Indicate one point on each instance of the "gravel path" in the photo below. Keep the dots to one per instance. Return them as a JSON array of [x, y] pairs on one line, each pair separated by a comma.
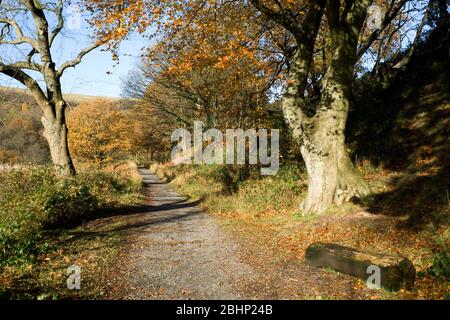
[[179, 251], [174, 250]]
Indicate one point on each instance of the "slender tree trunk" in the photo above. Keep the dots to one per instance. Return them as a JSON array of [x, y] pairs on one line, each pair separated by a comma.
[[55, 131]]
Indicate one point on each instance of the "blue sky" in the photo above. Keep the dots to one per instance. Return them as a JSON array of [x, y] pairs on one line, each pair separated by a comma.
[[90, 76], [97, 74]]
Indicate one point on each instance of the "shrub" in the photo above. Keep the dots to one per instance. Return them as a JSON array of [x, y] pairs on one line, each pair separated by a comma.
[[440, 260], [35, 200], [440, 267]]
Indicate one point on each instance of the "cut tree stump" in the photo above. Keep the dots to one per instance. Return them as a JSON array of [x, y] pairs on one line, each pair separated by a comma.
[[395, 272]]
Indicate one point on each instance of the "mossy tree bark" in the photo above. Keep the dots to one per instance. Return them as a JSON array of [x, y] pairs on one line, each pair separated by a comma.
[[320, 129]]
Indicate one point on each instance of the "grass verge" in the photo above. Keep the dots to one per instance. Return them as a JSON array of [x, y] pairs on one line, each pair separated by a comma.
[[44, 229]]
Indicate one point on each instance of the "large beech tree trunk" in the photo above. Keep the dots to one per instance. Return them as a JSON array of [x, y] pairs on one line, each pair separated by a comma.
[[319, 129], [332, 177]]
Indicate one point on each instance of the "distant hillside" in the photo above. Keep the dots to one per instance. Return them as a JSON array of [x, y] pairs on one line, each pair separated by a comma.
[[9, 92]]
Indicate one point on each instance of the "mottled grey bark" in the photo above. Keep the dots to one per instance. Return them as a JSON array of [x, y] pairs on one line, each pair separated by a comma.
[[332, 177], [320, 132]]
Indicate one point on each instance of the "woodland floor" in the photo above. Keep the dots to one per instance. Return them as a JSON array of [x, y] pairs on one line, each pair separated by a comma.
[[172, 249]]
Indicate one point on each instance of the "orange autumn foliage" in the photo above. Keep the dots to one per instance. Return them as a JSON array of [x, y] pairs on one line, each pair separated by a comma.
[[100, 132]]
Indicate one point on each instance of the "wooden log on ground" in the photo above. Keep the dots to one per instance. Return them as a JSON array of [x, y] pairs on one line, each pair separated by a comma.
[[395, 272]]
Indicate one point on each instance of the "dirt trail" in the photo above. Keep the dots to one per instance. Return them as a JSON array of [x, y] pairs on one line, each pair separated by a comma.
[[179, 252], [175, 250]]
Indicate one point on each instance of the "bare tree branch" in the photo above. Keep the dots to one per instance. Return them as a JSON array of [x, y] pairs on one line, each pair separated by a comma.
[[28, 65], [20, 38], [29, 82], [404, 61], [77, 60], [390, 15], [60, 17], [283, 17]]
